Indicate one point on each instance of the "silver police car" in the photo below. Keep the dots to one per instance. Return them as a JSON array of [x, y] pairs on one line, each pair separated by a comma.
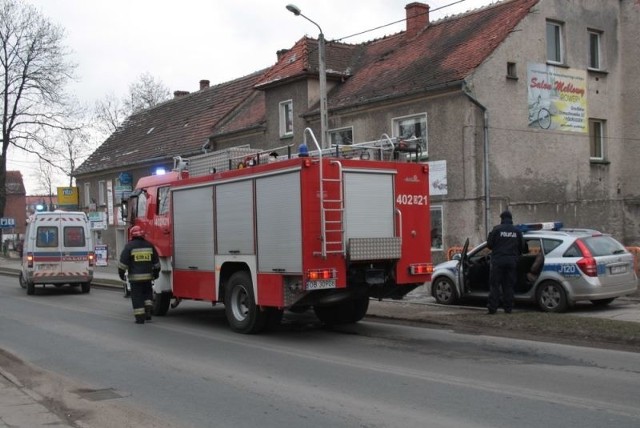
[[563, 266]]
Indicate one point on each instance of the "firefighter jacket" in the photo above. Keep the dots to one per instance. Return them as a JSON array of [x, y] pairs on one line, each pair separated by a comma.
[[140, 259]]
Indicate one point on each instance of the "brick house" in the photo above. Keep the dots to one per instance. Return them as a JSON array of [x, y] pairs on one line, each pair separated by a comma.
[[15, 205], [529, 105]]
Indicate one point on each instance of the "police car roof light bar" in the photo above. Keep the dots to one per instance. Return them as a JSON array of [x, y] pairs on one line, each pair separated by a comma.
[[549, 225]]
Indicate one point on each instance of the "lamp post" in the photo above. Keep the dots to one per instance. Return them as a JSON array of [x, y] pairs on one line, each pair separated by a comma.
[[323, 77]]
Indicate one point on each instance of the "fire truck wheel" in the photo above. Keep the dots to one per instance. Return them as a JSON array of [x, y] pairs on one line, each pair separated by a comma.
[[161, 303], [348, 312], [243, 314]]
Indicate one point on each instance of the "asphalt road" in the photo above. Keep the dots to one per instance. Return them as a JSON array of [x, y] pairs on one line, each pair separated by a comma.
[[189, 370]]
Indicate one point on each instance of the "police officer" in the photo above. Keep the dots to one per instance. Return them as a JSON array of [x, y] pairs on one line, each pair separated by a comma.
[[141, 260], [506, 244]]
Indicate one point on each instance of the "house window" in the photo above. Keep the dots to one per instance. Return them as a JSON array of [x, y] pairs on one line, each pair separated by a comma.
[[555, 48], [87, 194], [594, 50], [342, 136], [413, 129], [511, 70], [286, 118], [436, 228], [596, 139], [101, 193]]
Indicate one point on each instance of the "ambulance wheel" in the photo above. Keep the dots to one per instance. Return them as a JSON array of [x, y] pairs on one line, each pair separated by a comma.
[[161, 302], [31, 288], [241, 310], [21, 280], [85, 287]]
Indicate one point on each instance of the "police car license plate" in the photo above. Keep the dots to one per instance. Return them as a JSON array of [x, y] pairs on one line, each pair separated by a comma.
[[615, 270], [321, 284]]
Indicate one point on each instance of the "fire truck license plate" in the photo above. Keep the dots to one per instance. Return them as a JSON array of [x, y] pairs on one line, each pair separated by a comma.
[[321, 284]]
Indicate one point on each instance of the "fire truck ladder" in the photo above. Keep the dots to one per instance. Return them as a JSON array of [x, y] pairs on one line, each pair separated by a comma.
[[331, 210]]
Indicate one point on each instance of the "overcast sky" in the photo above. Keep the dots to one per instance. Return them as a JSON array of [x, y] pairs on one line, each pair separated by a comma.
[[180, 42]]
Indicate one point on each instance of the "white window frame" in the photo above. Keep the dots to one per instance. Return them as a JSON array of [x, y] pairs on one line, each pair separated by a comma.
[[597, 135], [286, 118], [594, 58], [102, 199], [87, 194], [439, 244], [556, 43], [334, 132], [396, 126]]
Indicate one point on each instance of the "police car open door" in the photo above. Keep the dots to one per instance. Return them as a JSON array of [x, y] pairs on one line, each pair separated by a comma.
[[462, 270]]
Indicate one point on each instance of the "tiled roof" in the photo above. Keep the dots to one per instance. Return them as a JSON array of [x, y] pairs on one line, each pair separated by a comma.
[[180, 126], [447, 51], [14, 183]]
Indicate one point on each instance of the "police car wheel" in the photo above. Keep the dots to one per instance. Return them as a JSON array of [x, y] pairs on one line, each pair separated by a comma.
[[444, 291], [551, 297]]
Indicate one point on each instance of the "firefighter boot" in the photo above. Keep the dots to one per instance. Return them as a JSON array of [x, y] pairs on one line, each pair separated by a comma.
[[147, 313], [140, 319]]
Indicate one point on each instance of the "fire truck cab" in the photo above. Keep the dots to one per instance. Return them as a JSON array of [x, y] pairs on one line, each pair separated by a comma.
[[323, 231]]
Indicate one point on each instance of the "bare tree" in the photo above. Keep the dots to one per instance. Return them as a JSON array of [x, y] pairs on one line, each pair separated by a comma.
[[145, 93], [111, 112], [33, 72]]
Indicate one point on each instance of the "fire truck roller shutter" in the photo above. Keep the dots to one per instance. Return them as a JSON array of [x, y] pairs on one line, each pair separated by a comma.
[[234, 211], [370, 196], [193, 228], [279, 222]]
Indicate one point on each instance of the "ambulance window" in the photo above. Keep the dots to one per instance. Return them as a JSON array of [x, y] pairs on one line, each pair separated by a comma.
[[74, 236], [163, 200], [47, 237]]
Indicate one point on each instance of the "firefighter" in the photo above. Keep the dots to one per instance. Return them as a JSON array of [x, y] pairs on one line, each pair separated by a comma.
[[141, 260]]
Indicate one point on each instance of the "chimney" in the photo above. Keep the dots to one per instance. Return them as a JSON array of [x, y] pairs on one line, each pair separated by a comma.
[[204, 84], [417, 17], [281, 53], [178, 94]]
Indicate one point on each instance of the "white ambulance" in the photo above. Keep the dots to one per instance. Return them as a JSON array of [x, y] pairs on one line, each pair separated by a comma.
[[58, 250]]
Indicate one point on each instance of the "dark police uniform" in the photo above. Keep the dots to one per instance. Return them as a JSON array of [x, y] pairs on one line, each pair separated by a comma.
[[507, 244], [141, 260]]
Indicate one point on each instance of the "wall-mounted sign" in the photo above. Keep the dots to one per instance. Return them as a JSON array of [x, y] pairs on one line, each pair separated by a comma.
[[557, 98]]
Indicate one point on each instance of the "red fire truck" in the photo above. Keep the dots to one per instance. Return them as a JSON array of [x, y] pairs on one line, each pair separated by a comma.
[[326, 231]]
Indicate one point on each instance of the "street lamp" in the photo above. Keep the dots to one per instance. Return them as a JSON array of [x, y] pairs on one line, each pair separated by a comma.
[[323, 76]]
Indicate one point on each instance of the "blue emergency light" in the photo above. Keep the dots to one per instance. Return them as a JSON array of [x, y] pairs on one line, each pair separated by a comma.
[[549, 225]]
